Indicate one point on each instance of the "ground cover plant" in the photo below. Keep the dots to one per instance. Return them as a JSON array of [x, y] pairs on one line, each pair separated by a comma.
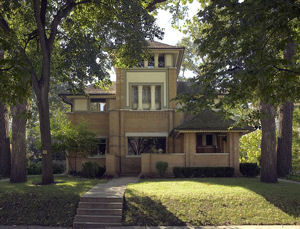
[[211, 201], [294, 177], [31, 204]]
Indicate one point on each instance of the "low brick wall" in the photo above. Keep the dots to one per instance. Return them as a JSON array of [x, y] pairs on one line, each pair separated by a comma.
[[148, 162], [70, 162]]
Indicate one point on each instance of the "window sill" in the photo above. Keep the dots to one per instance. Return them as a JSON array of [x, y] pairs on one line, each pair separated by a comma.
[[133, 156], [211, 154], [95, 157]]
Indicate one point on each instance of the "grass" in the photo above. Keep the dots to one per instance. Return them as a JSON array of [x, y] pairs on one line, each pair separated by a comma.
[[53, 205], [294, 177], [211, 201]]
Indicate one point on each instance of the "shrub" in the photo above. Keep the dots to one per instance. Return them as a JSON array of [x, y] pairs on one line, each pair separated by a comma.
[[90, 169], [203, 172], [34, 168], [249, 169], [161, 167], [58, 168], [177, 171], [101, 171]]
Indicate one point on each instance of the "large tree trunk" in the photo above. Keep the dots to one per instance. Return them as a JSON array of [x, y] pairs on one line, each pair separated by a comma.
[[268, 144], [18, 156], [284, 147], [43, 106], [4, 141]]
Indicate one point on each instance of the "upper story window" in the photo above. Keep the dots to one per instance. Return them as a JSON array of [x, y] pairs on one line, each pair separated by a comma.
[[151, 62], [145, 97], [161, 61], [97, 105]]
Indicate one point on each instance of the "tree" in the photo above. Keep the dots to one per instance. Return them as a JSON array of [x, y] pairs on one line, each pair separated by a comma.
[[18, 156], [284, 142], [250, 151], [242, 44], [51, 42], [4, 141]]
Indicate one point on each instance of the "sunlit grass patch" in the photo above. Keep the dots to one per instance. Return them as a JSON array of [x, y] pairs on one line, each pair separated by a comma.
[[31, 204], [211, 201]]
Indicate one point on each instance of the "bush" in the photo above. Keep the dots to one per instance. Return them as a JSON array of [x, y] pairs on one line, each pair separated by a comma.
[[101, 171], [58, 168], [90, 169], [161, 167], [249, 169], [203, 172], [34, 168]]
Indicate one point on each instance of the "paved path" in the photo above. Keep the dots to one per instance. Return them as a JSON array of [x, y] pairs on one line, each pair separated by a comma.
[[113, 188], [289, 181]]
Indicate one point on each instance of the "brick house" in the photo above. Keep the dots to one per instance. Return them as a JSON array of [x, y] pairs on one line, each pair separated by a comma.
[[137, 123]]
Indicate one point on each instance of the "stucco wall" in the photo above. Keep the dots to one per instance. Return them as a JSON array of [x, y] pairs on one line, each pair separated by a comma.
[[98, 122], [148, 162], [79, 161]]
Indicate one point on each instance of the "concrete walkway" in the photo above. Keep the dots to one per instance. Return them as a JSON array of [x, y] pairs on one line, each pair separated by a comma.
[[113, 188]]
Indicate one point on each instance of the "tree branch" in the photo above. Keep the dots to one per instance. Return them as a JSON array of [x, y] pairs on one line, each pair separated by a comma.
[[63, 12], [152, 4], [285, 70]]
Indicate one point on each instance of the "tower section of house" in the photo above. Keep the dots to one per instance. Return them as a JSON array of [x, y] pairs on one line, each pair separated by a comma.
[[137, 123]]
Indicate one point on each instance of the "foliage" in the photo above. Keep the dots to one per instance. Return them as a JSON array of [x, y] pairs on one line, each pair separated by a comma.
[[52, 205], [90, 169], [296, 140], [294, 178], [188, 172], [34, 168], [249, 169], [161, 167], [211, 201], [250, 150]]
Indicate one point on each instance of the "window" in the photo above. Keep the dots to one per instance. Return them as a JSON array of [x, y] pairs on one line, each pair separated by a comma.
[[209, 140], [134, 98], [97, 105], [161, 60], [158, 97], [101, 147], [139, 145], [151, 62], [199, 139], [146, 97]]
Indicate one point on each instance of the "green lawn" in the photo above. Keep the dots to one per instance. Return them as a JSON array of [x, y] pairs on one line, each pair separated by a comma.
[[294, 177], [211, 201], [30, 204]]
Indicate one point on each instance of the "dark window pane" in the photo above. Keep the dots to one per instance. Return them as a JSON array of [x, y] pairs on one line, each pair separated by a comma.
[[199, 139], [209, 140], [139, 145], [161, 60]]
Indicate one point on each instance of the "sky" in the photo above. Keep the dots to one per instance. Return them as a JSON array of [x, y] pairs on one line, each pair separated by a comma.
[[172, 36]]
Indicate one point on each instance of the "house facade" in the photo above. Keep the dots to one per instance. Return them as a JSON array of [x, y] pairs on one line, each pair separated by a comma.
[[137, 123]]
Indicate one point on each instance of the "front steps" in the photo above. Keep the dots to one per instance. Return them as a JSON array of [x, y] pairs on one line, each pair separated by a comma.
[[98, 212]]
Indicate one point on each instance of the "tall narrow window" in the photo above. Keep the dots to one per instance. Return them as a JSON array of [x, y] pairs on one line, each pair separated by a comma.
[[161, 60], [134, 98], [151, 62], [100, 150], [158, 97], [146, 97]]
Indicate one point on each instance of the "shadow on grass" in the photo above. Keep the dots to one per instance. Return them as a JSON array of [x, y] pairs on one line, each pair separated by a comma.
[[285, 196], [142, 210]]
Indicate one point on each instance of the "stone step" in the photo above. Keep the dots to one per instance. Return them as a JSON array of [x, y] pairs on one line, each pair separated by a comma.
[[81, 225], [101, 199], [100, 205], [87, 211], [98, 219]]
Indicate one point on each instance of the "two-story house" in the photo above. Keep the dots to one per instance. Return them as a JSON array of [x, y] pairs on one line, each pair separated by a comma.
[[137, 123]]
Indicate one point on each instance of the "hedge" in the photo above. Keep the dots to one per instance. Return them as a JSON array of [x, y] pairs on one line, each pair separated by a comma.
[[249, 169], [187, 172]]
